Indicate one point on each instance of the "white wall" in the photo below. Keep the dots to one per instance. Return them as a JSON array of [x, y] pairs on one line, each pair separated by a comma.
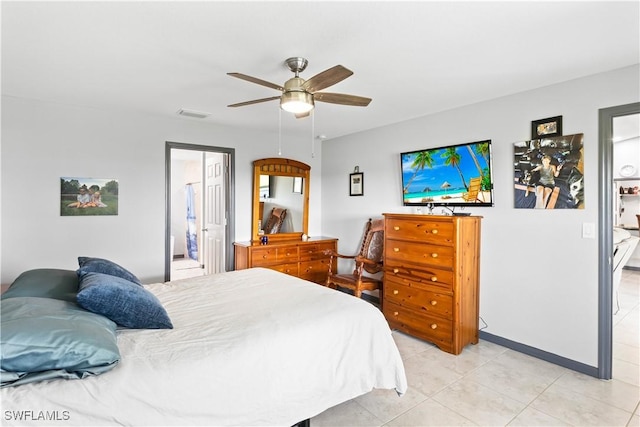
[[42, 142], [539, 278]]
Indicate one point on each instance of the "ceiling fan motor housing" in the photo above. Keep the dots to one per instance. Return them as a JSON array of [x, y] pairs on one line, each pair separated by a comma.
[[296, 64]]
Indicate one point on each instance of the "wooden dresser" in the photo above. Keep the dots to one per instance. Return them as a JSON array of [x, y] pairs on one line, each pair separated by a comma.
[[295, 257], [431, 278]]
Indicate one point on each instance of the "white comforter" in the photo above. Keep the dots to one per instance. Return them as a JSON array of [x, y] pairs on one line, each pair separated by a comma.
[[250, 347]]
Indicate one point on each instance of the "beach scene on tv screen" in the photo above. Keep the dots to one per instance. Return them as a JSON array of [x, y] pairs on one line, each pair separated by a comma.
[[454, 175]]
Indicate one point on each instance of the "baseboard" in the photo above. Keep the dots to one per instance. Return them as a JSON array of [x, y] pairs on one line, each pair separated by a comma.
[[541, 354]]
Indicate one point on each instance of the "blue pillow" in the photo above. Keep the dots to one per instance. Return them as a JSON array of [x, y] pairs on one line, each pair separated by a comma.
[[45, 283], [125, 303], [44, 338], [104, 266]]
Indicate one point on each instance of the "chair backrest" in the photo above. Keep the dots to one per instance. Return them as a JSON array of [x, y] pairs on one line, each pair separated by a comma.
[[373, 244], [274, 223], [474, 188]]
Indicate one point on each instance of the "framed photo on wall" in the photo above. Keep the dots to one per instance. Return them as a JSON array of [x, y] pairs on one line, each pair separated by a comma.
[[356, 184], [546, 128], [88, 196]]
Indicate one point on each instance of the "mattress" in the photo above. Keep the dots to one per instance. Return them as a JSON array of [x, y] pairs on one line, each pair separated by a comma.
[[249, 347]]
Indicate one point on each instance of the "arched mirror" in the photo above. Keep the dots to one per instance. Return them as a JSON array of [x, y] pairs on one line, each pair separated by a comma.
[[280, 199]]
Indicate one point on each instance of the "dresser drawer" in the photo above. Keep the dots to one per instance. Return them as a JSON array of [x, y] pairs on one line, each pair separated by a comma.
[[264, 256], [287, 253], [431, 328], [439, 232], [315, 271], [414, 252], [315, 251], [424, 274], [291, 269], [418, 297]]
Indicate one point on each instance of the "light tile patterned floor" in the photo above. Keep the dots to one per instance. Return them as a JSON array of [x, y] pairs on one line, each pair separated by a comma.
[[183, 268], [490, 385]]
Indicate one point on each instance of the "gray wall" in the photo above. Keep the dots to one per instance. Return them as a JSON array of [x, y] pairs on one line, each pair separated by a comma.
[[42, 142], [539, 278]]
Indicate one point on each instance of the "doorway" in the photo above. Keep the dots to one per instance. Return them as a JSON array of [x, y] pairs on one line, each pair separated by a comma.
[[606, 195], [200, 212]]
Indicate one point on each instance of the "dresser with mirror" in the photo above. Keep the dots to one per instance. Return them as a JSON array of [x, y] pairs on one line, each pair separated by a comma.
[[280, 223]]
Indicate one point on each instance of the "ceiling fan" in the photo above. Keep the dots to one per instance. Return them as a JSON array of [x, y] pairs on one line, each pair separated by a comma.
[[299, 95]]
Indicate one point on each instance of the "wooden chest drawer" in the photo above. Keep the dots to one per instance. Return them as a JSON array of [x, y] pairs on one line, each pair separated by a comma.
[[419, 297], [291, 269], [414, 252], [315, 251], [424, 274], [431, 328], [439, 232]]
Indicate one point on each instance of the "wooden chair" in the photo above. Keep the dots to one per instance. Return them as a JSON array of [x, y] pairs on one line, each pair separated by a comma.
[[368, 259], [475, 184], [274, 222]]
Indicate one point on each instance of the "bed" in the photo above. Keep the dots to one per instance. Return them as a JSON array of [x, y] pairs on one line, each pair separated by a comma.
[[248, 347]]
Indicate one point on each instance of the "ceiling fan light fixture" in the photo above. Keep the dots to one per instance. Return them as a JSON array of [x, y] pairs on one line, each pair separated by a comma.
[[296, 102]]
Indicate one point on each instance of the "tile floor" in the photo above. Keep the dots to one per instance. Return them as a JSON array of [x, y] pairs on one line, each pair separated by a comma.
[[183, 268], [490, 385]]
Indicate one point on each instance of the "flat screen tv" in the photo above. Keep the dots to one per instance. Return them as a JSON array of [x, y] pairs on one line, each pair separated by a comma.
[[452, 175]]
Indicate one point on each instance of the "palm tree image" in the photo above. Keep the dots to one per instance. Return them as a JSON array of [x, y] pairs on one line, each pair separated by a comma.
[[422, 159], [452, 158], [483, 150]]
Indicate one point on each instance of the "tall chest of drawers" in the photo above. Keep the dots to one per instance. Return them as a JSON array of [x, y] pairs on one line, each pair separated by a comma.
[[304, 259], [431, 278]]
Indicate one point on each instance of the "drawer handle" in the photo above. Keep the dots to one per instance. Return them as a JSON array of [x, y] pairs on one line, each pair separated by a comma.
[[395, 313], [395, 270], [434, 278], [264, 257], [396, 228], [396, 249], [434, 302], [434, 255], [434, 326], [434, 231], [395, 292]]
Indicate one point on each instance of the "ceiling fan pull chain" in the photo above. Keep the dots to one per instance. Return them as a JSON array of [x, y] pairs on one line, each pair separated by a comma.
[[279, 132], [313, 132]]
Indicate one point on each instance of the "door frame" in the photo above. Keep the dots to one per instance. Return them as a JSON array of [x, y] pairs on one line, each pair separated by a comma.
[[230, 213], [605, 262]]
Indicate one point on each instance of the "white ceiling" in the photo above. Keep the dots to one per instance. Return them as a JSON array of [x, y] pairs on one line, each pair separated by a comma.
[[412, 58]]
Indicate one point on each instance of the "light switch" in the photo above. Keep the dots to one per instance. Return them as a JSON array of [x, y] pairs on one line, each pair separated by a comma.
[[588, 230]]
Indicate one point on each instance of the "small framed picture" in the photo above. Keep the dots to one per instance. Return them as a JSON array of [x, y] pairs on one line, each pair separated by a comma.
[[356, 184], [544, 128], [297, 184]]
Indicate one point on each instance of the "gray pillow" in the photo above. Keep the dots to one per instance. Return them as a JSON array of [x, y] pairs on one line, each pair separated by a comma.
[[124, 302], [45, 283], [44, 338], [104, 266]]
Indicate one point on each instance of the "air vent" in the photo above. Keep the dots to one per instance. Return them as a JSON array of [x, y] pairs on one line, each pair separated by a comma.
[[193, 113]]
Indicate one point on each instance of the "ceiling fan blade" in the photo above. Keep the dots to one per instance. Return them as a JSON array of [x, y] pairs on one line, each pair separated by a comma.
[[341, 98], [256, 81], [326, 78], [255, 101]]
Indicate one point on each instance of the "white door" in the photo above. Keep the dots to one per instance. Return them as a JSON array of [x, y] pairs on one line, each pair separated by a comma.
[[214, 212]]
